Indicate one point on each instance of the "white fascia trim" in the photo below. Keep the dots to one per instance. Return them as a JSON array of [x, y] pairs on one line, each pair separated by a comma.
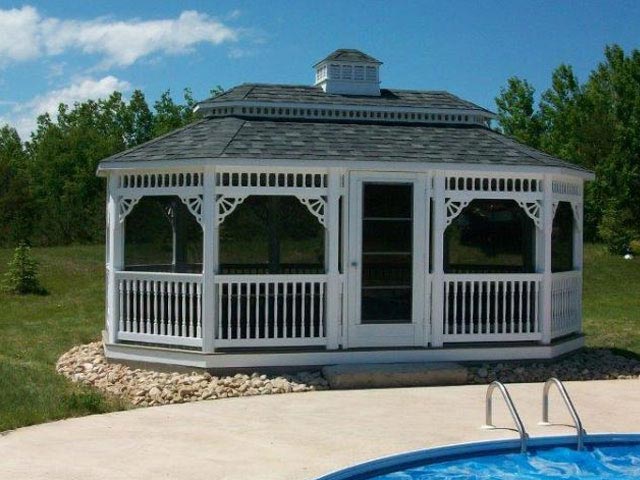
[[368, 165], [206, 106], [471, 353]]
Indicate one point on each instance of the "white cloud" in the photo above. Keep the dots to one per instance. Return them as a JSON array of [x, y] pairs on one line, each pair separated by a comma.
[[27, 35], [23, 116], [19, 38]]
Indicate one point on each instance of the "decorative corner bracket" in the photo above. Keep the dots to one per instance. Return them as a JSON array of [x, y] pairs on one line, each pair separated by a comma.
[[533, 210], [577, 214], [194, 204], [554, 208], [317, 207], [453, 208], [125, 205], [226, 206]]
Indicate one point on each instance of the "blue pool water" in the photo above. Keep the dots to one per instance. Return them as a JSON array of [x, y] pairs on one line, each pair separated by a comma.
[[604, 457], [612, 462]]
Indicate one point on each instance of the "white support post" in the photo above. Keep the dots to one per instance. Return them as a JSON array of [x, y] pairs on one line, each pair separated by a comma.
[[420, 261], [115, 255], [578, 253], [332, 220], [209, 261], [437, 239], [545, 249]]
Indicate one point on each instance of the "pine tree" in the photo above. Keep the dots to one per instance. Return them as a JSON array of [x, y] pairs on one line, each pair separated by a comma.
[[22, 277]]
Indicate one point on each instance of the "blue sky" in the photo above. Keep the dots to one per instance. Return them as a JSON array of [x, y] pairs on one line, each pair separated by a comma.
[[72, 50]]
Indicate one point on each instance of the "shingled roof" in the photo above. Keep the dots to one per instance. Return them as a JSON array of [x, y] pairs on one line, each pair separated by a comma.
[[349, 55], [214, 139], [260, 92]]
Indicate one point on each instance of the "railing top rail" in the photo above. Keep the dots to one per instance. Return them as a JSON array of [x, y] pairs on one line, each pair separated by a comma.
[[567, 274], [493, 276], [140, 275], [577, 423], [268, 278], [512, 410]]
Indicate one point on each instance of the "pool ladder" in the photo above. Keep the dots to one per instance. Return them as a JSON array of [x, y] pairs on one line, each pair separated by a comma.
[[524, 436], [577, 423]]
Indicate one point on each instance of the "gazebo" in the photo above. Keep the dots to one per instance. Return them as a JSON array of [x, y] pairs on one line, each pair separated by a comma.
[[342, 222]]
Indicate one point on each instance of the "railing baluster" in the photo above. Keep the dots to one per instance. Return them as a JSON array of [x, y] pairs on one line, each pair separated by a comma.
[[520, 307], [294, 309], [456, 324], [199, 309], [446, 324], [285, 290], [155, 307], [121, 305], [170, 310], [464, 307], [147, 326], [267, 309], [238, 311], [322, 309], [247, 299], [511, 300], [163, 324], [312, 310], [303, 305], [472, 320], [504, 307], [135, 307], [276, 310]]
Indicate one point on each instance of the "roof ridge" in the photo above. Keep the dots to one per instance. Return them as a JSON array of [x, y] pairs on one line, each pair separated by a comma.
[[242, 124]]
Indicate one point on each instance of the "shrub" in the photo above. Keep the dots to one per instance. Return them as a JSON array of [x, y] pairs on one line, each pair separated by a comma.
[[617, 229], [634, 246], [22, 277]]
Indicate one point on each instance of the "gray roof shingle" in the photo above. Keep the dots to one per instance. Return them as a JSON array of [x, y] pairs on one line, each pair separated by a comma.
[[260, 92], [234, 138], [349, 55]]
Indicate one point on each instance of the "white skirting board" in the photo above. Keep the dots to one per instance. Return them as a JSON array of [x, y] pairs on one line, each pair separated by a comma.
[[318, 358]]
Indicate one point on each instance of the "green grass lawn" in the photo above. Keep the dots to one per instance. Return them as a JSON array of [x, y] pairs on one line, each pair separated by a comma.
[[36, 330]]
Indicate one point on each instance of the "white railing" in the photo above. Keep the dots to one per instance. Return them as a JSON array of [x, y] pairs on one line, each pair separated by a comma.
[[161, 308], [270, 310], [566, 307], [491, 307]]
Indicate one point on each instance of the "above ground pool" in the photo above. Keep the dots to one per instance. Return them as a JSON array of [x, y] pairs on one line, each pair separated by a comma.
[[605, 456]]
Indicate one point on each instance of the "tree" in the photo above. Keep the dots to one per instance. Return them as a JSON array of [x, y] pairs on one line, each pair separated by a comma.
[[22, 276], [16, 203], [516, 112]]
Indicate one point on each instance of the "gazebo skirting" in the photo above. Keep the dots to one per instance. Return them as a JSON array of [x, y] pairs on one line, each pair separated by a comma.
[[206, 315]]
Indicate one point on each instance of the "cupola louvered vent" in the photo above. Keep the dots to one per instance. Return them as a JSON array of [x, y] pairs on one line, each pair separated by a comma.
[[349, 72]]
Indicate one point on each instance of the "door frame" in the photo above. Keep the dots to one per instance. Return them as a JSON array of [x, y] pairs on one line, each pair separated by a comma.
[[416, 333]]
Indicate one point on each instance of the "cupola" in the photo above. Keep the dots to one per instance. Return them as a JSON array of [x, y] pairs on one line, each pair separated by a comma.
[[349, 72]]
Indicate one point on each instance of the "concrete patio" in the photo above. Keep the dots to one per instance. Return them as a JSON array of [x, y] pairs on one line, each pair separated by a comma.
[[295, 436]]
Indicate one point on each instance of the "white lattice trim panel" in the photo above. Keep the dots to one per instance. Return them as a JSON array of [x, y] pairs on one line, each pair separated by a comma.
[[271, 178], [566, 188], [410, 114], [160, 180], [484, 183]]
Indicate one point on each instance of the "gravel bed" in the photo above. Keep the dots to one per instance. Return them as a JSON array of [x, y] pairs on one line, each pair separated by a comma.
[[87, 364], [588, 364]]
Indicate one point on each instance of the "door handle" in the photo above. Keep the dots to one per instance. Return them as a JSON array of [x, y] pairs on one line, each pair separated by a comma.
[[354, 264]]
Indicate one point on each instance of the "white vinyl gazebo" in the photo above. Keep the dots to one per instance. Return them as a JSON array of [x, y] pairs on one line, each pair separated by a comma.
[[341, 223]]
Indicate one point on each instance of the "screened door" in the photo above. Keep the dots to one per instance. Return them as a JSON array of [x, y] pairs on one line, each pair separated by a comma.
[[384, 269]]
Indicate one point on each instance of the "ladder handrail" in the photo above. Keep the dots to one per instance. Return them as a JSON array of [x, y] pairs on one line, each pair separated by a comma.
[[512, 410], [577, 423]]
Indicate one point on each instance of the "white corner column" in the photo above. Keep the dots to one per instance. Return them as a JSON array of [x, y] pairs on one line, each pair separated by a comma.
[[115, 256], [437, 239], [545, 260], [209, 260], [333, 298], [578, 248]]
